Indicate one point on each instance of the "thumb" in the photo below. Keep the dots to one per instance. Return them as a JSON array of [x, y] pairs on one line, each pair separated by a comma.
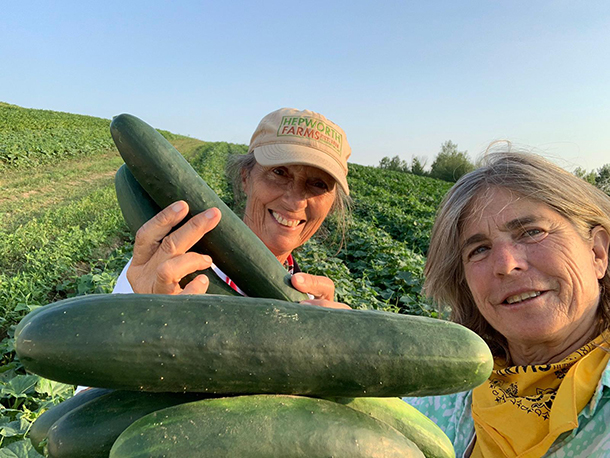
[[319, 287], [198, 285]]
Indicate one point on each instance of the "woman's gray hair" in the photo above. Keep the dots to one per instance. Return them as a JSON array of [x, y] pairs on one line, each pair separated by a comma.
[[240, 164], [524, 174]]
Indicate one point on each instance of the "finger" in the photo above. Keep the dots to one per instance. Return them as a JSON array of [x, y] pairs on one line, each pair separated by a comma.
[[182, 239], [198, 285], [318, 286], [170, 272], [326, 304], [149, 236]]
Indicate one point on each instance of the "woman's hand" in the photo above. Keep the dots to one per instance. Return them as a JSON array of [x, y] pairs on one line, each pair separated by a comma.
[[160, 260], [321, 288]]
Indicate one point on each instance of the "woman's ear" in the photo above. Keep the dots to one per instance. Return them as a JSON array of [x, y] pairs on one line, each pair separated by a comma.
[[245, 175], [601, 242]]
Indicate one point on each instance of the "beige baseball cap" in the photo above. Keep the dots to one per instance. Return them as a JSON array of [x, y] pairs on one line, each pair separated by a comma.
[[291, 136]]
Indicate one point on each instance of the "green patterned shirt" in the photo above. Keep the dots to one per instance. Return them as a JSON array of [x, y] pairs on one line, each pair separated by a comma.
[[591, 439]]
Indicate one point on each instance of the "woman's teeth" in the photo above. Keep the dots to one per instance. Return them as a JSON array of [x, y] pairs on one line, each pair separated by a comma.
[[285, 222], [522, 297]]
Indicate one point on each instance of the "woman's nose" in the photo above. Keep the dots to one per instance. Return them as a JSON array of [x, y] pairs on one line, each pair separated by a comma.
[[296, 195], [508, 258]]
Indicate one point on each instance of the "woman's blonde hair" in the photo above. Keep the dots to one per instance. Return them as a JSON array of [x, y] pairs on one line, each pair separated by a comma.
[[524, 174]]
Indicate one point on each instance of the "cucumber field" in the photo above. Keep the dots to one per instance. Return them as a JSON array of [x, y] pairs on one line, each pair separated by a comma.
[[62, 235]]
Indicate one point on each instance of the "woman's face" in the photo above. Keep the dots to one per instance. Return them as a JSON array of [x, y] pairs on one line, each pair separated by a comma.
[[287, 204], [532, 275]]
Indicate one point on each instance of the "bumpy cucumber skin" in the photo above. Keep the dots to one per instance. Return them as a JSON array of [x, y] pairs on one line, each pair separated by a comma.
[[167, 176], [41, 426], [40, 310], [263, 426], [138, 207], [90, 430], [241, 345], [409, 421]]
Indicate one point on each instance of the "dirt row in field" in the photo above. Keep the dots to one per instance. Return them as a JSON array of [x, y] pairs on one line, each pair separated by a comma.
[[26, 193]]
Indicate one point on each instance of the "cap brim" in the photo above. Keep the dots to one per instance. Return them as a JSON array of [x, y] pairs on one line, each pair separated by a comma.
[[285, 154]]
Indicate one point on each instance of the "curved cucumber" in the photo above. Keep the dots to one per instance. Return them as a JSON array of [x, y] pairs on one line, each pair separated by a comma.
[[167, 177], [41, 426], [263, 426], [138, 207], [243, 345], [409, 421], [90, 430]]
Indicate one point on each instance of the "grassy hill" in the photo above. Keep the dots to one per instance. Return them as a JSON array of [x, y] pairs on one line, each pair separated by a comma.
[[62, 234]]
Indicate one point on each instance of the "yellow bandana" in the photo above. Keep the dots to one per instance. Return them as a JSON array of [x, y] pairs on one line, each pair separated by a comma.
[[521, 410]]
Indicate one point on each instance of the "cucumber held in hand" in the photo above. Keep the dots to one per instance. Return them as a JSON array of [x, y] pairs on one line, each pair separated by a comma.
[[244, 345], [167, 177], [138, 207], [262, 426]]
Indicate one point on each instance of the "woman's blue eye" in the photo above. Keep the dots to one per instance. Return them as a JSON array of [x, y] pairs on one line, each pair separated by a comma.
[[477, 250]]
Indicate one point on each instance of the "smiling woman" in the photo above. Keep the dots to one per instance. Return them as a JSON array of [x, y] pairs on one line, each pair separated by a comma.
[[292, 178], [519, 251], [287, 204], [533, 277]]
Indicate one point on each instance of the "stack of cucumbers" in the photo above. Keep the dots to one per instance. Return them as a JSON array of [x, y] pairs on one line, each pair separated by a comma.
[[220, 375]]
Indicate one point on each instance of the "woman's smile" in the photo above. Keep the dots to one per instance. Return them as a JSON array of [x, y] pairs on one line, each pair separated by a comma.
[[285, 221], [519, 298]]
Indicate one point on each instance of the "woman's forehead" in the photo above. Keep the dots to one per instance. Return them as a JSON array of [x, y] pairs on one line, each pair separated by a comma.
[[491, 197], [495, 206]]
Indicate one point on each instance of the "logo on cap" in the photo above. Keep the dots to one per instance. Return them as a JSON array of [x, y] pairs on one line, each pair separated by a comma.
[[315, 129]]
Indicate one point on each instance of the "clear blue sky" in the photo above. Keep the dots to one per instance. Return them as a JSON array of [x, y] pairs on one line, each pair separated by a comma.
[[400, 77]]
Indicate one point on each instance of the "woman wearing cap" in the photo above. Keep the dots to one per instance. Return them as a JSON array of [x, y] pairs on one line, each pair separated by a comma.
[[519, 251], [293, 176]]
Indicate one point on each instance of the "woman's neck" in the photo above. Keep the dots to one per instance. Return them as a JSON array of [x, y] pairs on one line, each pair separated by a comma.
[[530, 354]]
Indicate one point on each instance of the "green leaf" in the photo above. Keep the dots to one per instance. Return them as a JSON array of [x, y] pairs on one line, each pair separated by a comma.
[[7, 346], [20, 449], [27, 307], [53, 388], [9, 370], [20, 386], [14, 428], [408, 277]]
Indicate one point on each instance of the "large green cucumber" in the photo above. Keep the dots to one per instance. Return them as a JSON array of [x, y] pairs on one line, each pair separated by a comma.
[[90, 430], [22, 322], [138, 207], [430, 439], [167, 177], [243, 345], [41, 426], [262, 426]]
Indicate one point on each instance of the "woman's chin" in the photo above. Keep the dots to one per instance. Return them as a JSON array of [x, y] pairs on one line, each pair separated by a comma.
[[282, 246], [538, 334]]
